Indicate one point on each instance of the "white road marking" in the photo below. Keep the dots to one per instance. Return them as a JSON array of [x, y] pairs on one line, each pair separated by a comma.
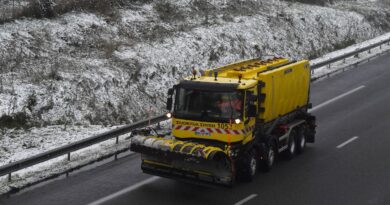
[[124, 191], [336, 98], [347, 142], [246, 199]]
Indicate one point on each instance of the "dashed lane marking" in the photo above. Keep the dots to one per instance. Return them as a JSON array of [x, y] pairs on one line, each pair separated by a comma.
[[124, 191], [243, 201], [347, 142], [336, 98]]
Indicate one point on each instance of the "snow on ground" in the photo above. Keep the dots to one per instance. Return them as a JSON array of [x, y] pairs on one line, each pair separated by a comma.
[[85, 68]]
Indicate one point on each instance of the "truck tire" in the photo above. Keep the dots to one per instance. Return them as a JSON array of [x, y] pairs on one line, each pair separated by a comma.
[[269, 156], [301, 139], [291, 146], [250, 165]]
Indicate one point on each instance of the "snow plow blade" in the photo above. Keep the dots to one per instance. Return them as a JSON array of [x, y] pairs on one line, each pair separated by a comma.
[[183, 160]]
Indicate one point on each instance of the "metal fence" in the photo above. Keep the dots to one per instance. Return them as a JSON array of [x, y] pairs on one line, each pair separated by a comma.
[[350, 54], [67, 149]]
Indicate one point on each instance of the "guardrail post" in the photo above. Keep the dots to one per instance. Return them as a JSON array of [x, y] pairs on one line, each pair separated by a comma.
[[116, 153], [9, 177], [68, 156]]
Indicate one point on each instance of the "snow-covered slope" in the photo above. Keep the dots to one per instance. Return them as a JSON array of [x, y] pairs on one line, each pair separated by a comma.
[[88, 68]]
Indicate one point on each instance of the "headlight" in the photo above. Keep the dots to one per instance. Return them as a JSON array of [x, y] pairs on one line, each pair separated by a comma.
[[169, 115], [237, 121]]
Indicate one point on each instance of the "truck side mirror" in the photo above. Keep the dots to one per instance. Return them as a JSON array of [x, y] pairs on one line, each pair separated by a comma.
[[169, 103], [170, 91], [252, 110], [251, 97], [170, 99]]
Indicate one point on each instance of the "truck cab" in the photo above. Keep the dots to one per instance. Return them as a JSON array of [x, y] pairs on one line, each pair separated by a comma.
[[221, 110]]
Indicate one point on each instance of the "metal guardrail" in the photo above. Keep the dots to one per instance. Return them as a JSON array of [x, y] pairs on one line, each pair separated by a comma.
[[67, 149], [349, 54]]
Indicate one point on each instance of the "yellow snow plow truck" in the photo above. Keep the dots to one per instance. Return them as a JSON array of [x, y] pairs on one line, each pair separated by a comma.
[[232, 120]]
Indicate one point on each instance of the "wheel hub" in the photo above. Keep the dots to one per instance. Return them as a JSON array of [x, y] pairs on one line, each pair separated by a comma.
[[271, 157], [253, 165], [292, 147], [303, 141]]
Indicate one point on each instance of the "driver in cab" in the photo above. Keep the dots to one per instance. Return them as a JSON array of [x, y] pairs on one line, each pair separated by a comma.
[[229, 103]]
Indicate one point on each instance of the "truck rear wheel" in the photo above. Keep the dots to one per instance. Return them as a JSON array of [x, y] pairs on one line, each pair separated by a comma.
[[301, 139], [292, 146]]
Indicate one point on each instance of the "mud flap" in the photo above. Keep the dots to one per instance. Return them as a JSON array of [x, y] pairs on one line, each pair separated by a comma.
[[311, 131]]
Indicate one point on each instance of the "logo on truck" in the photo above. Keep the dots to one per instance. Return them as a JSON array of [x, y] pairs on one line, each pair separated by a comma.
[[202, 132]]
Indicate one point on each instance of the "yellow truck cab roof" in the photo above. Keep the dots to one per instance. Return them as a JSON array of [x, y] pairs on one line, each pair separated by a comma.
[[248, 69], [244, 83], [244, 74]]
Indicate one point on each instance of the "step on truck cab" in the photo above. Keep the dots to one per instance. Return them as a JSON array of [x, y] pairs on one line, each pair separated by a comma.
[[232, 120]]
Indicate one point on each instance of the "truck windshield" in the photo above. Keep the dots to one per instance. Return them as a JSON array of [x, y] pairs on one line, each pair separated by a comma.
[[208, 105]]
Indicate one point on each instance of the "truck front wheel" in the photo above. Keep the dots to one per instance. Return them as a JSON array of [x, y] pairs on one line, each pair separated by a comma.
[[250, 165]]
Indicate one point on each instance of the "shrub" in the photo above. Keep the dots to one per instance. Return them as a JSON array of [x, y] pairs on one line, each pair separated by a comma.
[[315, 2], [38, 9], [168, 11], [17, 120]]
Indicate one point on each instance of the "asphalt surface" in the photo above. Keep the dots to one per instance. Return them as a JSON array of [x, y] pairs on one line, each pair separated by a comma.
[[348, 164]]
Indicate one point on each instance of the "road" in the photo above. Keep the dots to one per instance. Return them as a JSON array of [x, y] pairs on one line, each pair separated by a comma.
[[348, 164]]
